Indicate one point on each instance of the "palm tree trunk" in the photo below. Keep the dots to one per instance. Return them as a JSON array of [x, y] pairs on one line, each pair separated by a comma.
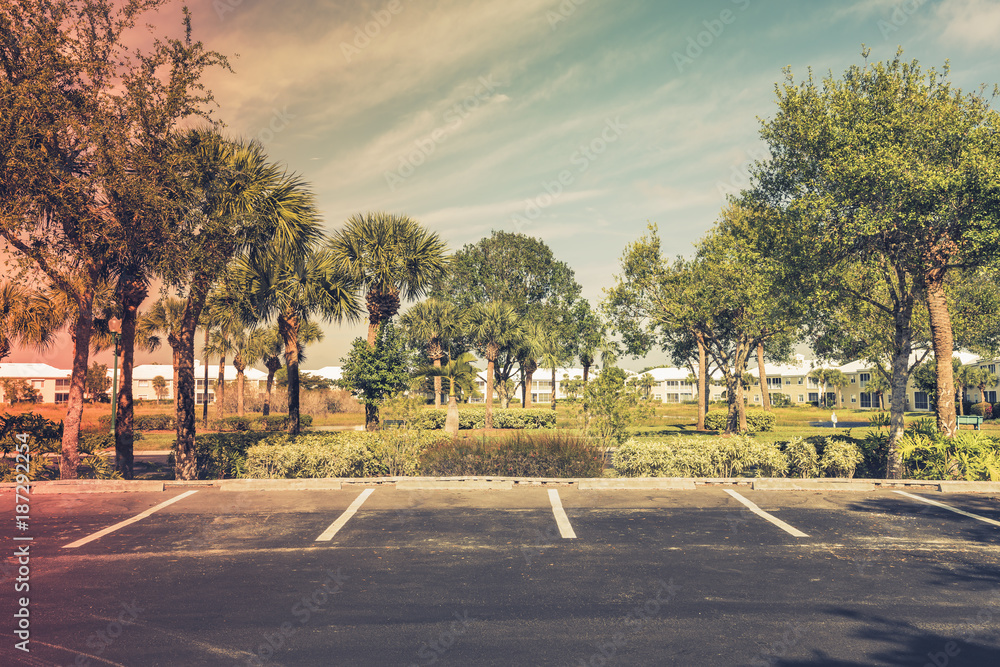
[[489, 393], [70, 457], [528, 374], [451, 421], [437, 384], [765, 391], [185, 466], [586, 372], [204, 390], [273, 365], [941, 334], [288, 329], [220, 389], [133, 294], [240, 386], [553, 387]]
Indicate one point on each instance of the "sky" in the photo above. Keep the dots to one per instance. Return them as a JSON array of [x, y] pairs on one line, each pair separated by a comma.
[[578, 122]]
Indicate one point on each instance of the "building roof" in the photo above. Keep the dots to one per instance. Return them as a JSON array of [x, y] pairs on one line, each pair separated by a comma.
[[32, 370], [328, 372]]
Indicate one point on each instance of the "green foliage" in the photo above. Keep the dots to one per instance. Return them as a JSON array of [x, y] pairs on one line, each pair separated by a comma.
[[97, 381], [475, 418], [609, 407], [223, 455], [874, 452], [273, 422], [757, 420], [970, 455], [984, 410], [803, 461], [520, 455], [44, 437], [159, 422], [18, 390], [737, 456], [840, 458], [344, 454], [375, 373]]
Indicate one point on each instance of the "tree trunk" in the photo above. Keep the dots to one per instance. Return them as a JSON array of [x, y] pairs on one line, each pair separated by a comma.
[[220, 389], [733, 418], [702, 382], [185, 459], [586, 372], [960, 401], [941, 334], [132, 296], [437, 384], [765, 390], [489, 392], [553, 387], [204, 390], [70, 458], [900, 374], [451, 420], [240, 398], [273, 364], [288, 329], [529, 373]]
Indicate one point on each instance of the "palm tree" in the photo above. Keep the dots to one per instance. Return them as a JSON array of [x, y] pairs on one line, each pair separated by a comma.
[[492, 326], [165, 317], [389, 257], [553, 356], [460, 373], [220, 344], [274, 348], [294, 286], [529, 348], [27, 318], [160, 387], [436, 322], [249, 347], [879, 385], [821, 375], [983, 378], [965, 376], [836, 379]]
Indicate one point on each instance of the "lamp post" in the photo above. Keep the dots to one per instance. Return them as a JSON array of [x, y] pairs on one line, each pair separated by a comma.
[[115, 326]]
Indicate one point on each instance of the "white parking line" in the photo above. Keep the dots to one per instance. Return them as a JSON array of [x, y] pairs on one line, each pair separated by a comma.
[[126, 522], [764, 515], [328, 534], [565, 529], [949, 508]]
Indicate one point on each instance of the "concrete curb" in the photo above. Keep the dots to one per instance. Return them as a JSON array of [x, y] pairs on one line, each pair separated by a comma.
[[505, 483]]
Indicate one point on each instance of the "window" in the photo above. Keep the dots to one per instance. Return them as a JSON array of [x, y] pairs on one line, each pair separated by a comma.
[[62, 383], [657, 397], [788, 380], [991, 397], [813, 397], [852, 379], [673, 398], [756, 398], [62, 397], [866, 400], [143, 383], [38, 384], [920, 400], [800, 380], [854, 399], [813, 382], [673, 383], [802, 398], [865, 378], [993, 368], [774, 382]]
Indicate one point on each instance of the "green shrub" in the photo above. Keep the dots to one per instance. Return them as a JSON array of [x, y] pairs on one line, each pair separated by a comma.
[[984, 410], [970, 455], [337, 454], [519, 455], [874, 450], [738, 456], [475, 418], [239, 424], [757, 420], [840, 458], [224, 455], [803, 461], [160, 422]]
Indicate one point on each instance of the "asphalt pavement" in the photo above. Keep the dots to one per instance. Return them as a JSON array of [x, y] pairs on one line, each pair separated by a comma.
[[725, 575]]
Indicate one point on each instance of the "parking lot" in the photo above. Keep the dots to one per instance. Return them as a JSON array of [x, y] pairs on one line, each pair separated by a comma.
[[380, 575]]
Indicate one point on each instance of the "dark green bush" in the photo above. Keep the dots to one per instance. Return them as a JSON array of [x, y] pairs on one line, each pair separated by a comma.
[[44, 435], [520, 455], [238, 424], [475, 418], [160, 422], [224, 455], [757, 420], [737, 456], [984, 410]]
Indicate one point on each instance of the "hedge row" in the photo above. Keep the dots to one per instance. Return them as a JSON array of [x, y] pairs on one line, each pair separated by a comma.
[[159, 422], [273, 422], [475, 418], [338, 454], [738, 456], [757, 420]]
